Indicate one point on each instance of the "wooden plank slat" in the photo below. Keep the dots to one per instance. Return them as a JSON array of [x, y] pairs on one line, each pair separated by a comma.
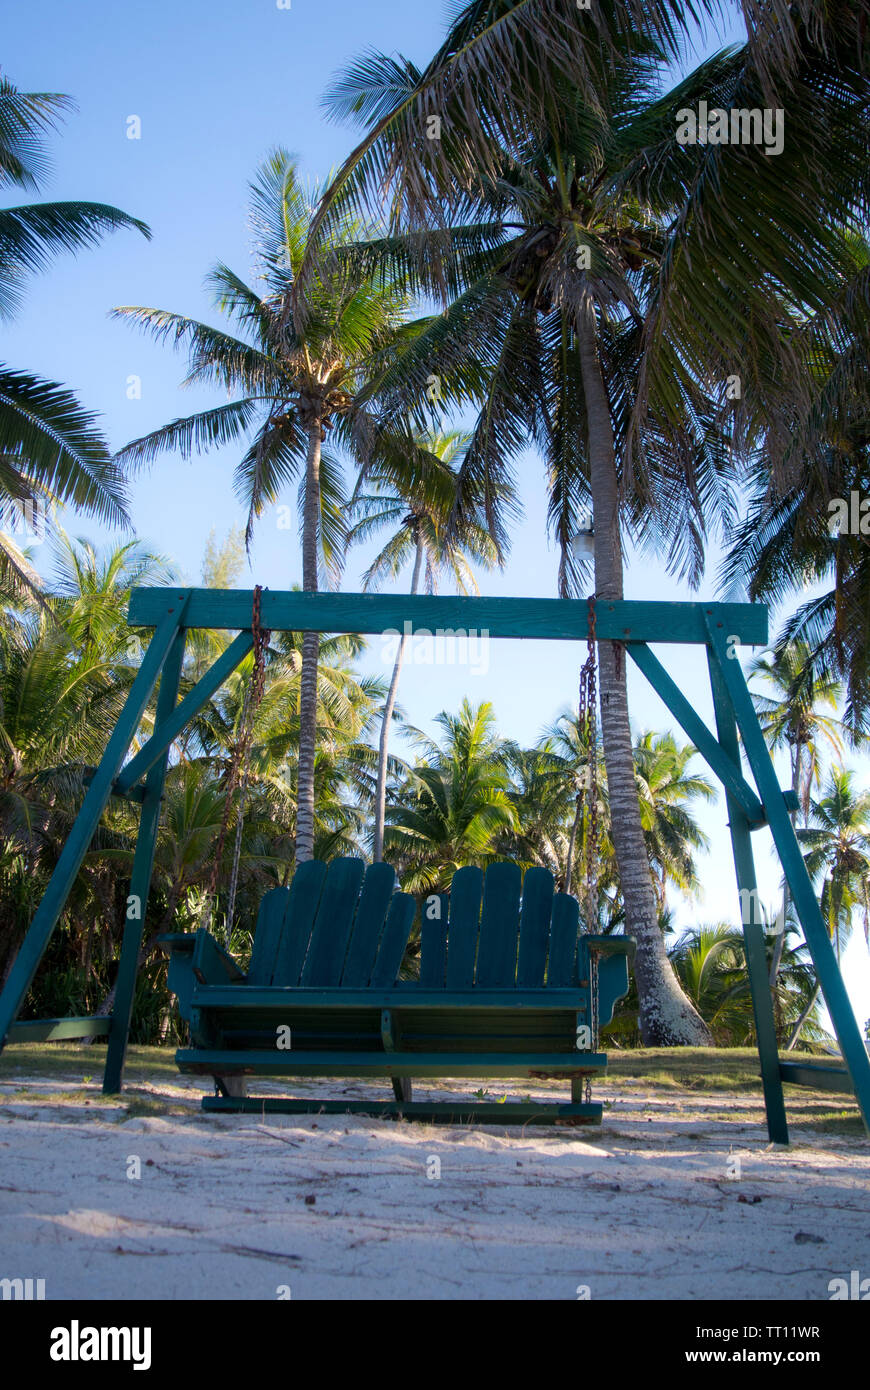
[[463, 927], [271, 1062], [552, 618], [58, 1029], [499, 927], [329, 937], [537, 908], [374, 902], [823, 1077], [433, 941], [306, 889], [564, 931], [404, 995], [267, 936], [432, 1112], [394, 940]]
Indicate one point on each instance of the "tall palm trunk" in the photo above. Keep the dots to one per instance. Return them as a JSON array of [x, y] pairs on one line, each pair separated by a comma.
[[667, 1018], [383, 743], [310, 652]]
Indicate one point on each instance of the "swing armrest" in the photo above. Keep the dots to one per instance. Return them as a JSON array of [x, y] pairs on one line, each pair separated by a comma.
[[196, 958], [613, 954]]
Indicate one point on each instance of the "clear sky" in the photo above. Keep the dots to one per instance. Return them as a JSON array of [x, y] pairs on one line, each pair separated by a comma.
[[217, 84]]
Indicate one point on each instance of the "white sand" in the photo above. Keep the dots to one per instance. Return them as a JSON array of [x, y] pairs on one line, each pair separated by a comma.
[[641, 1208]]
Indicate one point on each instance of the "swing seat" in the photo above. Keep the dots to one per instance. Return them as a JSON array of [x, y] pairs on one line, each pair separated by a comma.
[[509, 987]]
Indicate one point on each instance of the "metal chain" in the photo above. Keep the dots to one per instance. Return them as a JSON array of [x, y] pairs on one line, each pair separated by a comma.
[[593, 991], [587, 723], [240, 763]]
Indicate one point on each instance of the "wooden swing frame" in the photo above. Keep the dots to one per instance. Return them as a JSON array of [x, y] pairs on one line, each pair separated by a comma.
[[720, 628]]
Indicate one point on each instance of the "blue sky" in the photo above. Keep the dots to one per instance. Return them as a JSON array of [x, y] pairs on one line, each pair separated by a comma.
[[217, 84]]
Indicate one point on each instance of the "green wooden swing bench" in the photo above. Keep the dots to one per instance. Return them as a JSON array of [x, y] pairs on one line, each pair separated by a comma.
[[509, 986]]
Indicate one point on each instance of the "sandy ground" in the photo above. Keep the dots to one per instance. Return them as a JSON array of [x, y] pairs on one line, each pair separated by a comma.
[[677, 1195]]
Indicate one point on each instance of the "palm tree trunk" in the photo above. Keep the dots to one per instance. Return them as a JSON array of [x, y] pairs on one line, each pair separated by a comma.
[[569, 863], [798, 1028], [383, 743], [667, 1018], [310, 653]]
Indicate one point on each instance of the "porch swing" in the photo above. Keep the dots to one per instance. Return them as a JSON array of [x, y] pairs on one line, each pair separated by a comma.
[[510, 986]]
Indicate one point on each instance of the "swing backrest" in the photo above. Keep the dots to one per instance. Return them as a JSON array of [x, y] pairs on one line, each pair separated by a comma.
[[337, 924], [500, 930]]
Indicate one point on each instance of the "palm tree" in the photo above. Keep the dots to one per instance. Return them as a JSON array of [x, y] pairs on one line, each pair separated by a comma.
[[51, 450], [298, 383], [541, 796], [667, 790], [570, 206], [711, 963], [837, 841], [793, 716], [454, 802], [417, 496], [805, 532], [62, 688]]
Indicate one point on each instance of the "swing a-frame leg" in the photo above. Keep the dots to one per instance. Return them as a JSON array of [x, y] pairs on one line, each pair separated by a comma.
[[96, 798]]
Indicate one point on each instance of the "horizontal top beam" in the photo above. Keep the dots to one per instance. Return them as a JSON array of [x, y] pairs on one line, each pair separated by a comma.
[[422, 614]]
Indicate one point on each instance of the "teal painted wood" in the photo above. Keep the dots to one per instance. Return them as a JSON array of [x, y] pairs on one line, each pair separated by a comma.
[[167, 730], [463, 927], [374, 903], [564, 931], [753, 925], [433, 941], [96, 798], [271, 1062], [535, 916], [268, 934], [803, 897], [431, 1112], [728, 773], [401, 1084], [194, 958], [58, 1029], [140, 879], [306, 890], [499, 926], [556, 619], [388, 995], [325, 960], [400, 919], [822, 1076], [612, 974]]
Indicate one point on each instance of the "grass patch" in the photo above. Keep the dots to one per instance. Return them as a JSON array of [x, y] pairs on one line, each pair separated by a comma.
[[72, 1061]]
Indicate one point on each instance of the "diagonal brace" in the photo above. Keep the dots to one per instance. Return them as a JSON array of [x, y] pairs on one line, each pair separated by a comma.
[[168, 730], [724, 766]]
